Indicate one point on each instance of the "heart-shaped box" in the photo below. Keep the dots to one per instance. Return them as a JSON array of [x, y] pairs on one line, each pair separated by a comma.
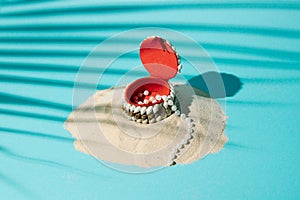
[[163, 63]]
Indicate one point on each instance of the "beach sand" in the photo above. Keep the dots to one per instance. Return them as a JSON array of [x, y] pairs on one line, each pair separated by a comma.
[[102, 129]]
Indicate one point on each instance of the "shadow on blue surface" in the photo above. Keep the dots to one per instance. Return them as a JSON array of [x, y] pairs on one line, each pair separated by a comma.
[[94, 40], [49, 163], [220, 28], [6, 98], [61, 68], [124, 8], [12, 183], [32, 115], [49, 82], [232, 84], [36, 134], [267, 64], [235, 146]]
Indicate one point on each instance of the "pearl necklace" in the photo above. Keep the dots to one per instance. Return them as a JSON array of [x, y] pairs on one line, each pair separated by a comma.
[[186, 141], [151, 114]]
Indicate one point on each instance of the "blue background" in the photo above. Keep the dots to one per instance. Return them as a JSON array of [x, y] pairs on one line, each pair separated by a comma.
[[42, 45]]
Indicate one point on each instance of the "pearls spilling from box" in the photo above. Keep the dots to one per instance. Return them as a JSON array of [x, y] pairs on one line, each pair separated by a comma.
[[145, 114]]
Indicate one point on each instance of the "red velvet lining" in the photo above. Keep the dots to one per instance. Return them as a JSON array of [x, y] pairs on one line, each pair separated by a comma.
[[155, 87]]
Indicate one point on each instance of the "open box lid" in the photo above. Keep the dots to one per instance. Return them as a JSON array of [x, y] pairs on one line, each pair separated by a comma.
[[159, 58]]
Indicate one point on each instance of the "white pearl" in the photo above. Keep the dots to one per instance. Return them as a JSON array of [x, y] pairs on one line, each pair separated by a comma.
[[174, 108], [152, 121], [170, 97], [146, 101], [143, 110], [172, 47], [132, 108], [149, 110], [133, 118], [139, 120], [187, 137], [158, 118], [127, 107], [166, 105], [177, 146], [185, 141], [189, 120], [154, 101], [146, 92], [140, 103], [179, 67], [151, 98], [173, 151], [156, 108], [177, 112], [137, 109], [164, 97], [145, 121], [170, 102], [182, 116], [190, 130], [158, 97]]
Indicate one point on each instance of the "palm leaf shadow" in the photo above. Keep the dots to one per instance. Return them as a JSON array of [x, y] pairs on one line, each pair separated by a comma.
[[48, 163], [17, 186], [125, 8]]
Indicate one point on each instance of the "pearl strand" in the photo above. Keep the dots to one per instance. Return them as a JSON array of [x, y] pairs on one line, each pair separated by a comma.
[[189, 136]]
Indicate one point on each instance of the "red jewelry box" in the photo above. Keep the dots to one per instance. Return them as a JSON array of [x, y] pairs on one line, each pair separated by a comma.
[[163, 63]]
